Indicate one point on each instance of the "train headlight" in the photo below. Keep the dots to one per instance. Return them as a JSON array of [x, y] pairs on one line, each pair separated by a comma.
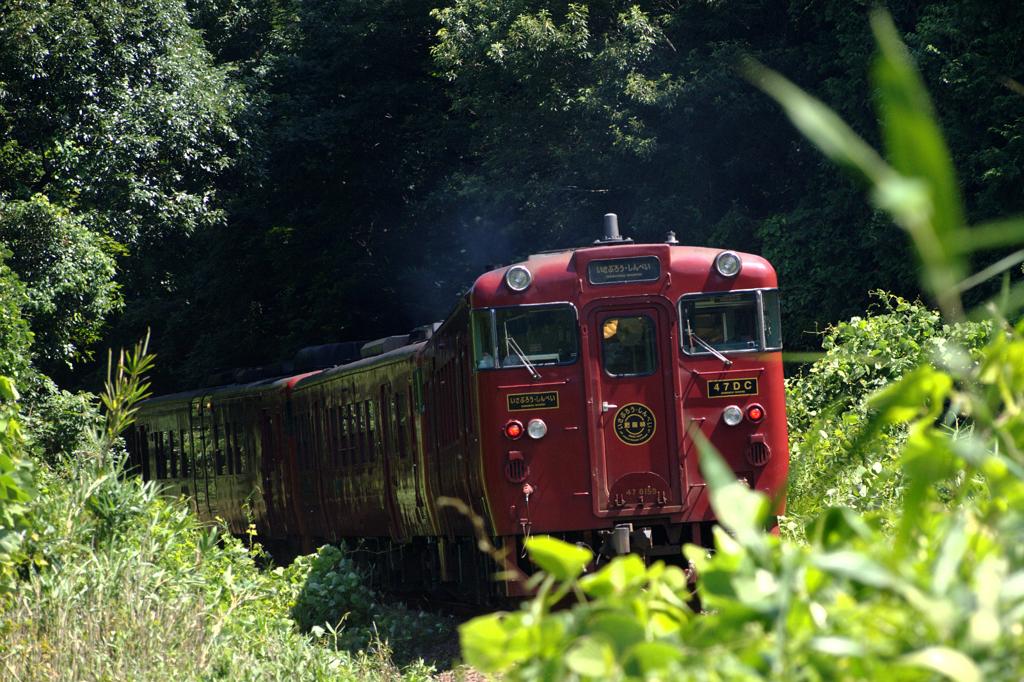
[[514, 429], [536, 428], [755, 413], [732, 415], [518, 278], [728, 264]]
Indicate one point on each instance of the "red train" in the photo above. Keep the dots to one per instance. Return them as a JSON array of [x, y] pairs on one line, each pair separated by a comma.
[[561, 397]]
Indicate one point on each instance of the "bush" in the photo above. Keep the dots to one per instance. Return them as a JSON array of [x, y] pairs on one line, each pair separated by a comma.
[[111, 580], [335, 598], [17, 488], [828, 405]]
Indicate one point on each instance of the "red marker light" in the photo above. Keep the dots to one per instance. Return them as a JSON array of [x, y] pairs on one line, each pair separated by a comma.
[[513, 430], [755, 413]]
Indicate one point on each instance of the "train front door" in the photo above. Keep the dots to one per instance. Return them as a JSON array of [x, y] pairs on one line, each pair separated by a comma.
[[632, 402]]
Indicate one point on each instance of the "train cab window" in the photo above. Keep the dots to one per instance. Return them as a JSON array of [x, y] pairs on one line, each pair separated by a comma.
[[742, 321], [629, 346], [538, 335]]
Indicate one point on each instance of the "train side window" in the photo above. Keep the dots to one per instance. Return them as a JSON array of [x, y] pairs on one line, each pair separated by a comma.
[[772, 316], [418, 379], [346, 435], [629, 346], [318, 449], [302, 443], [483, 338], [401, 425], [139, 455], [161, 455], [239, 448], [411, 432], [371, 432], [361, 456], [185, 454], [230, 446], [172, 461], [332, 437], [387, 423]]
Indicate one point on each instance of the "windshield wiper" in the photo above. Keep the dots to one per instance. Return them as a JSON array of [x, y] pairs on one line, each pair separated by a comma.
[[511, 343], [706, 346]]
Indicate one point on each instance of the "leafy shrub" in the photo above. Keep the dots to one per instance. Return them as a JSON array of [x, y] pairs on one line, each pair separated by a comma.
[[17, 488], [335, 591], [335, 597], [827, 405], [58, 422], [125, 584]]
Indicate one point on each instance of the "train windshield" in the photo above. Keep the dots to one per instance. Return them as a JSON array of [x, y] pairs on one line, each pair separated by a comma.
[[525, 336], [730, 321]]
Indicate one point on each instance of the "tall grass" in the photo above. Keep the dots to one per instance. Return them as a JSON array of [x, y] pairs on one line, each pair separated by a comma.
[[121, 583]]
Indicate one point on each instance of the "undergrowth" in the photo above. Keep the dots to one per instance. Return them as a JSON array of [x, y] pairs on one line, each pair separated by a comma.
[[106, 579]]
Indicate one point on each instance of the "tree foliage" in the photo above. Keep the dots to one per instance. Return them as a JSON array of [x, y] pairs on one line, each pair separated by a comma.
[[69, 277], [117, 133], [285, 173]]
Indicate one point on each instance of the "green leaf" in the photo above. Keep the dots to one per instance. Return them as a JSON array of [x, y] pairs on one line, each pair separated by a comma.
[[857, 567], [8, 390], [992, 235], [494, 643], [560, 559], [621, 630], [954, 546], [738, 508], [650, 659], [836, 526], [821, 126], [590, 657], [614, 578], [945, 661], [838, 646]]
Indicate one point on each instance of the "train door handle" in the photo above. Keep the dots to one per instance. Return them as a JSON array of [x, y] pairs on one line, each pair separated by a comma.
[[607, 406]]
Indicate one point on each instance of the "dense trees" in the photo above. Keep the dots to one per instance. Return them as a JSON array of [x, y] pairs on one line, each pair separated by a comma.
[[116, 128], [269, 174]]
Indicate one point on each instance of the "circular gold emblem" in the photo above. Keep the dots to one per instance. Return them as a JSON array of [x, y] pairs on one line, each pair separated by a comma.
[[634, 424]]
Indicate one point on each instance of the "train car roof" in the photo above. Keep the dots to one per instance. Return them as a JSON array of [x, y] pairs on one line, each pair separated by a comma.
[[361, 364]]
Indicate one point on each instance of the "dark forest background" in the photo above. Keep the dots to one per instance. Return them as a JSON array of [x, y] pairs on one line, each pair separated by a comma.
[[249, 177]]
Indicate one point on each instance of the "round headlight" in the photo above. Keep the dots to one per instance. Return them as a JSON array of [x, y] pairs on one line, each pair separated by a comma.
[[518, 278], [728, 264], [732, 415], [536, 428]]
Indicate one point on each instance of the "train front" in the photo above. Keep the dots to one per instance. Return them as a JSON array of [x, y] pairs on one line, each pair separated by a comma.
[[595, 371]]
